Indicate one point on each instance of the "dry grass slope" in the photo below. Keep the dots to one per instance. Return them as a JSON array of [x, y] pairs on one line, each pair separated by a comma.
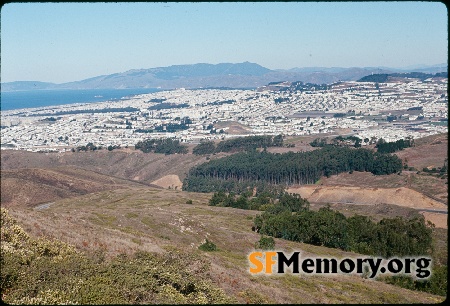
[[156, 220]]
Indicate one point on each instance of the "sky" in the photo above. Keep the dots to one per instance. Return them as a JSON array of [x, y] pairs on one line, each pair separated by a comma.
[[63, 42]]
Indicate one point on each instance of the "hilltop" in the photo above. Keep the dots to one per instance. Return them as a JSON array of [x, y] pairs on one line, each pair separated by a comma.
[[222, 75]]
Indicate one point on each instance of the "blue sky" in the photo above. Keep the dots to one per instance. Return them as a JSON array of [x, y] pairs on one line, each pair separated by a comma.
[[62, 42]]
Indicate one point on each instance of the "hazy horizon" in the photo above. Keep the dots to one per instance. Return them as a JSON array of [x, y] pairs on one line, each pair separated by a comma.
[[66, 42], [418, 66]]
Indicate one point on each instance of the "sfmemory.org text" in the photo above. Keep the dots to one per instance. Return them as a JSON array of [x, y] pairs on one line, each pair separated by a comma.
[[264, 262]]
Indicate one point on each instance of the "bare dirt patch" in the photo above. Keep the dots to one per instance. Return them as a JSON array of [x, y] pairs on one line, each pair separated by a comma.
[[431, 186], [428, 152], [234, 128], [439, 220], [357, 195], [170, 181]]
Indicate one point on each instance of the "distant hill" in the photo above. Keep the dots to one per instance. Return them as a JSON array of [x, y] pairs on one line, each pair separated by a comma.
[[27, 85], [223, 75], [412, 75]]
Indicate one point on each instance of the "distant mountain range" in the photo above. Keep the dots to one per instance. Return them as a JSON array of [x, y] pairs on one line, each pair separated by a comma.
[[239, 75]]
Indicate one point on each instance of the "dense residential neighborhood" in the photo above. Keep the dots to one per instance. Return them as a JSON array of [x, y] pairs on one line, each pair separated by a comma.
[[392, 110]]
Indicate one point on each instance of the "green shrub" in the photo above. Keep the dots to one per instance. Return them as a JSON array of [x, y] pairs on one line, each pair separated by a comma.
[[42, 271], [208, 246], [265, 243]]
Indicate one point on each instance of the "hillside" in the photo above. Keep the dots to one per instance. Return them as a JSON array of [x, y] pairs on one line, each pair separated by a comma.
[[31, 186], [384, 77], [231, 75], [109, 203], [155, 220], [131, 164]]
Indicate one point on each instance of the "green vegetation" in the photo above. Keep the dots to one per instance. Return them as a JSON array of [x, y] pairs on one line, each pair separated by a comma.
[[265, 243], [265, 200], [163, 145], [381, 78], [339, 115], [169, 127], [390, 237], [390, 147], [247, 169], [42, 271], [338, 141], [113, 147], [204, 147], [89, 147], [207, 246], [387, 238], [300, 86], [437, 284], [167, 105], [239, 144]]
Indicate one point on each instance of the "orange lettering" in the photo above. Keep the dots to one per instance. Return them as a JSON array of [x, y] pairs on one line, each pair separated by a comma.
[[256, 262]]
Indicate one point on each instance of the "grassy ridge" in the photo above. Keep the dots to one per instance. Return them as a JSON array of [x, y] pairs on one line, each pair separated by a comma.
[[42, 271]]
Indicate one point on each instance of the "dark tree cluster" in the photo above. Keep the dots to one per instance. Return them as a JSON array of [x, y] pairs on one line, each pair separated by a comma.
[[390, 237], [287, 168], [382, 78], [390, 147], [387, 238], [113, 147], [415, 108], [171, 127], [163, 145], [230, 101], [167, 105], [89, 147], [157, 100], [269, 199], [50, 119], [239, 144], [337, 141], [280, 100], [319, 142], [391, 118], [204, 147], [300, 86]]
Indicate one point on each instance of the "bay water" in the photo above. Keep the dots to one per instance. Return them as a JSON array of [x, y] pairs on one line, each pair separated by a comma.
[[41, 98]]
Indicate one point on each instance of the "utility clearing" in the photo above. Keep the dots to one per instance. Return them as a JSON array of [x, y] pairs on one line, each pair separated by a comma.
[[402, 196]]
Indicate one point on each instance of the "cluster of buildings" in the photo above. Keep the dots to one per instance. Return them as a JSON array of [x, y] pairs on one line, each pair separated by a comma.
[[391, 110]]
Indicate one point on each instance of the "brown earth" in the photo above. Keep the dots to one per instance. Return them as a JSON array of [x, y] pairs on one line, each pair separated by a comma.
[[429, 151], [234, 127], [402, 196], [33, 186], [170, 181], [424, 183], [439, 220], [369, 196], [131, 164]]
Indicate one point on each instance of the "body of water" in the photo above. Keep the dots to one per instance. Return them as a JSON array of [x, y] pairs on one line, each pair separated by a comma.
[[41, 98]]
